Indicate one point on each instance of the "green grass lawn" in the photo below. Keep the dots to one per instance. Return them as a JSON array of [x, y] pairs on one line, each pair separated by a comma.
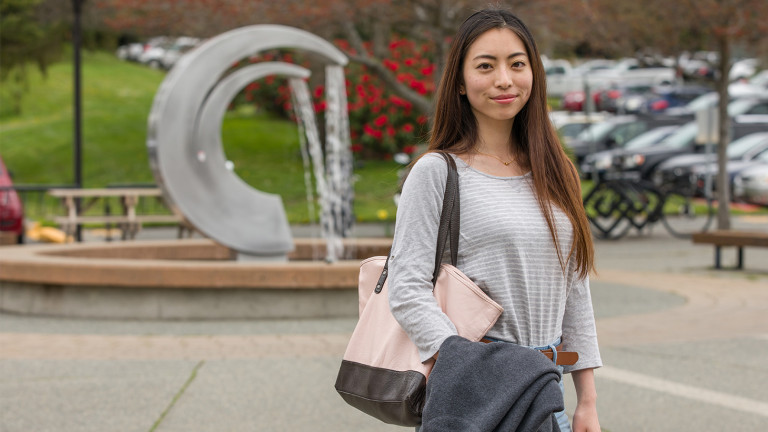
[[117, 98]]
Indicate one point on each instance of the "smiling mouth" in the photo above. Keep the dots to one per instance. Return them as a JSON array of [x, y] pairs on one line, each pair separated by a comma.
[[504, 98]]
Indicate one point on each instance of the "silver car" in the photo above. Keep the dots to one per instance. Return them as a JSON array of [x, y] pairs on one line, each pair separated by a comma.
[[751, 184]]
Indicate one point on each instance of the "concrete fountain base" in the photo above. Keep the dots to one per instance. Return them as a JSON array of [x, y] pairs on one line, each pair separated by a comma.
[[179, 279]]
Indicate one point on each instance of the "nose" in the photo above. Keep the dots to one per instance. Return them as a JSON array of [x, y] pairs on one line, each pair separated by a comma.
[[503, 78]]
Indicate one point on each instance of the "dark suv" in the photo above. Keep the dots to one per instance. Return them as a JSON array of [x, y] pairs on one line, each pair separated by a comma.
[[615, 132]]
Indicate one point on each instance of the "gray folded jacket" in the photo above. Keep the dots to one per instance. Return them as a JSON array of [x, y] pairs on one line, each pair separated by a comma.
[[491, 387]]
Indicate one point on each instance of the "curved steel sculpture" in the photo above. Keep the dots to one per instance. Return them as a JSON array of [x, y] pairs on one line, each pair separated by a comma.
[[184, 140]]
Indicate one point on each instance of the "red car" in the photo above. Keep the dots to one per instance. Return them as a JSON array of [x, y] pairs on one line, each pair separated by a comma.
[[11, 208], [574, 100]]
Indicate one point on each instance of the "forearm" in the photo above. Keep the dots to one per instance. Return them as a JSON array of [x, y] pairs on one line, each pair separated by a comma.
[[584, 382], [585, 416]]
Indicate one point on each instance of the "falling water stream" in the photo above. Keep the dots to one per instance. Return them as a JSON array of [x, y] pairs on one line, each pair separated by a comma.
[[338, 154], [306, 118], [295, 85]]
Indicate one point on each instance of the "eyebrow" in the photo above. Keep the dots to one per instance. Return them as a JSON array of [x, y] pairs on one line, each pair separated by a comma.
[[492, 57]]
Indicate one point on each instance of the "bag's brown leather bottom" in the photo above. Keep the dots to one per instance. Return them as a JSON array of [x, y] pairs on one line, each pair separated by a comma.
[[564, 358], [394, 397]]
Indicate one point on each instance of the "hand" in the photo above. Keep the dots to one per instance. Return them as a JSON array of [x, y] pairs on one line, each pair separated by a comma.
[[585, 418]]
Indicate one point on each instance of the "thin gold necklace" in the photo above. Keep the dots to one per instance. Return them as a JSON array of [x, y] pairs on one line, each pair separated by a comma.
[[496, 157]]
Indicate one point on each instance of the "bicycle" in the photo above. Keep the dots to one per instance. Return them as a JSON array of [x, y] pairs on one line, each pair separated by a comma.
[[616, 204], [684, 212]]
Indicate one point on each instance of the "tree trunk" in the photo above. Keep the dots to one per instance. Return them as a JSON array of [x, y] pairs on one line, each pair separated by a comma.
[[723, 182], [441, 42]]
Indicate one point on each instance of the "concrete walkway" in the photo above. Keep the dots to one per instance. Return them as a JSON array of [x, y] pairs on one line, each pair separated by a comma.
[[684, 349]]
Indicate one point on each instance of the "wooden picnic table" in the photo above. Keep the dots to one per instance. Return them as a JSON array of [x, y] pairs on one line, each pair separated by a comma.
[[128, 219]]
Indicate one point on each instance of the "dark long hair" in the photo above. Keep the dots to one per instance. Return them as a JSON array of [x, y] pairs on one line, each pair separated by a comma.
[[455, 130]]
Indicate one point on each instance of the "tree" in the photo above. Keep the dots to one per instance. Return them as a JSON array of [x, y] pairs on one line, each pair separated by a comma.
[[422, 21], [375, 22], [728, 21], [26, 38]]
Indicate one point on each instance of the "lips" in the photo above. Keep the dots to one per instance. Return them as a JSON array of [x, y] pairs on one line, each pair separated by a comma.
[[504, 98]]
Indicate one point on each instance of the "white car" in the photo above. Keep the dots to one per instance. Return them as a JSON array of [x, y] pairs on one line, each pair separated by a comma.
[[751, 185], [175, 51], [154, 50], [130, 51], [570, 124], [760, 80], [743, 69], [599, 74]]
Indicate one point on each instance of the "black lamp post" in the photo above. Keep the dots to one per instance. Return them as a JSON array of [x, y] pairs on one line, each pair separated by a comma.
[[78, 138]]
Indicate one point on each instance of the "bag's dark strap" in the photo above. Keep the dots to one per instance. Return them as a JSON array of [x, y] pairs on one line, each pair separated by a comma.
[[448, 227], [449, 217]]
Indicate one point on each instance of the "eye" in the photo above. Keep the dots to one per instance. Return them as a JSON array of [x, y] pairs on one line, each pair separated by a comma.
[[518, 64], [484, 66]]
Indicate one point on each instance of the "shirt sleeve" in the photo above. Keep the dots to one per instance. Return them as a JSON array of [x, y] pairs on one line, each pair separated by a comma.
[[579, 332], [412, 259]]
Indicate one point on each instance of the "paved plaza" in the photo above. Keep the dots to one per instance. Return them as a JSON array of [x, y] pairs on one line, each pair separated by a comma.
[[684, 348]]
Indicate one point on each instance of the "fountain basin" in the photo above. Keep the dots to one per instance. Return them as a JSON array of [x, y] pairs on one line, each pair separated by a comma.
[[179, 279]]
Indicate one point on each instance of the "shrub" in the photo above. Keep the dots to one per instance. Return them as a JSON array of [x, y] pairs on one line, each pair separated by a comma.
[[381, 123]]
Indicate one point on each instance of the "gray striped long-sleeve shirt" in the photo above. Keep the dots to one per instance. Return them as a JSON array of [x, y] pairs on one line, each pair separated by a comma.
[[505, 247]]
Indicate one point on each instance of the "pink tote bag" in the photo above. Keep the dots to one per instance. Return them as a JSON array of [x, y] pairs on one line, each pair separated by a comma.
[[381, 373]]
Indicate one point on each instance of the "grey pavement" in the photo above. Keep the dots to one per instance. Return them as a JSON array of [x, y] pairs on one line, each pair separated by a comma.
[[683, 346]]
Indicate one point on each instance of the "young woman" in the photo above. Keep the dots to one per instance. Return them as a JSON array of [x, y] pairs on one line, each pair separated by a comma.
[[524, 237]]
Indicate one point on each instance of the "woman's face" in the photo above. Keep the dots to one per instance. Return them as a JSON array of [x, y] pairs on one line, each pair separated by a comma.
[[497, 75]]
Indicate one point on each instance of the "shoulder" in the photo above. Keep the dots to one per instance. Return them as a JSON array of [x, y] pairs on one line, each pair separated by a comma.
[[426, 176], [430, 165]]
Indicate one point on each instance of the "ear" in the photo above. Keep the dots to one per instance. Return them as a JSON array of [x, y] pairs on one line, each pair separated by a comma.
[[461, 89]]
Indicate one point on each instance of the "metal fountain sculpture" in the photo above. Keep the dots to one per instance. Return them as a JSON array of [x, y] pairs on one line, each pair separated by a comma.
[[188, 161], [278, 276]]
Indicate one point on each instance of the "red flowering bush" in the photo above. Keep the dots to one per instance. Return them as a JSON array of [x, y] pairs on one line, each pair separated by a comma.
[[271, 94], [381, 123]]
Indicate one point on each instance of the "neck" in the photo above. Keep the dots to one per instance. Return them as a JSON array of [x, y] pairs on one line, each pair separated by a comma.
[[494, 136]]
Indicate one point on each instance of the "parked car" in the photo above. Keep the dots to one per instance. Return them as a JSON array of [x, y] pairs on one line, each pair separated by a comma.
[[154, 51], [760, 80], [751, 185], [642, 163], [130, 51], [743, 69], [700, 64], [575, 100], [555, 68], [700, 173], [569, 124], [705, 101], [180, 46], [672, 97], [600, 73], [602, 162], [687, 167], [563, 78], [615, 132], [750, 104], [623, 98], [135, 51], [11, 207]]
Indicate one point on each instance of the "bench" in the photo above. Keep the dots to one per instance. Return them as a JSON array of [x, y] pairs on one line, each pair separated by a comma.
[[129, 221], [737, 239]]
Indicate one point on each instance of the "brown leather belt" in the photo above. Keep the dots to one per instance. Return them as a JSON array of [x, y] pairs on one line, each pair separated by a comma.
[[564, 358]]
